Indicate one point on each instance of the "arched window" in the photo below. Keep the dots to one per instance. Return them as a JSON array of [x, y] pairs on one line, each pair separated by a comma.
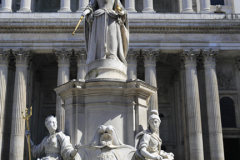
[[227, 113], [216, 2]]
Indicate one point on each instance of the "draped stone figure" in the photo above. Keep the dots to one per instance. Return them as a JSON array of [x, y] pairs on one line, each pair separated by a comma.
[[148, 143], [106, 31], [55, 146]]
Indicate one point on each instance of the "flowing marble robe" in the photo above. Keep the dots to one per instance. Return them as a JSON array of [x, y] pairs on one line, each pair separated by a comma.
[[153, 144], [55, 147], [106, 32]]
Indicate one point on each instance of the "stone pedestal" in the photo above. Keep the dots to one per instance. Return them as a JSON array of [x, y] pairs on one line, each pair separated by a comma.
[[122, 104], [106, 68]]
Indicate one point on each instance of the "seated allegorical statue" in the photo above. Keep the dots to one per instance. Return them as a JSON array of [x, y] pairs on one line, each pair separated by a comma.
[[148, 143], [55, 146]]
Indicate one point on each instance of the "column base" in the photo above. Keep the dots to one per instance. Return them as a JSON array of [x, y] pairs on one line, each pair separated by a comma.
[[5, 10], [148, 10], [80, 10], [188, 11], [26, 10], [65, 10], [131, 10], [206, 11]]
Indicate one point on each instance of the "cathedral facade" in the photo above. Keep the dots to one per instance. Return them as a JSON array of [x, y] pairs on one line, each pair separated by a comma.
[[188, 49]]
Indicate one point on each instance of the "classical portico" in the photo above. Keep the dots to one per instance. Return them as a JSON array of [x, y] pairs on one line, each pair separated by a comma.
[[189, 58]]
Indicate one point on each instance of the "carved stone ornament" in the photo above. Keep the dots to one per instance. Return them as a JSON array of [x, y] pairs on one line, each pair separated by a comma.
[[150, 56], [106, 145], [209, 56], [225, 79], [132, 55], [63, 56], [4, 55], [22, 56], [190, 55], [81, 55]]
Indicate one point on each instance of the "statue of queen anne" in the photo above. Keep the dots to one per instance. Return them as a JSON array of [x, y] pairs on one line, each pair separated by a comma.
[[56, 145], [148, 143], [106, 30]]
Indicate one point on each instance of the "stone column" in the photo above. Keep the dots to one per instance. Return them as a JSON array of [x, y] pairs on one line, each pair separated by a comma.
[[81, 56], [130, 5], [187, 6], [213, 106], [205, 6], [193, 105], [235, 5], [148, 6], [19, 105], [150, 58], [82, 5], [4, 54], [25, 6], [63, 58], [6, 6], [132, 63], [65, 6]]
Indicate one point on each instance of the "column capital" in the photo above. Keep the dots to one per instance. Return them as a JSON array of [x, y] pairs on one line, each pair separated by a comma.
[[132, 56], [150, 56], [22, 56], [63, 56], [81, 55], [209, 56], [189, 56], [4, 55]]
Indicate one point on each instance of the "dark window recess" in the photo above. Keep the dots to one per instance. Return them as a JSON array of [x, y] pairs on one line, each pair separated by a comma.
[[0, 1], [231, 149], [163, 148], [216, 2], [227, 113], [161, 115]]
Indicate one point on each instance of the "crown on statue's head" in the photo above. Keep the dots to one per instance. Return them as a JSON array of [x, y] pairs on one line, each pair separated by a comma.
[[50, 118]]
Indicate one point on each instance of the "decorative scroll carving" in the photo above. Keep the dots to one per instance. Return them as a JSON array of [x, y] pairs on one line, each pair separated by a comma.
[[132, 55], [63, 56], [4, 55], [190, 55], [81, 55], [225, 79], [150, 56], [22, 56]]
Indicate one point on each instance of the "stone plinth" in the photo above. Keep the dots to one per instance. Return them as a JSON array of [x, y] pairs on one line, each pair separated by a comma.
[[122, 104], [106, 68]]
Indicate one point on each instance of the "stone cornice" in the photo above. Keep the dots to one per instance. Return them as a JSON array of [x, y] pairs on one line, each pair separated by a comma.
[[220, 25]]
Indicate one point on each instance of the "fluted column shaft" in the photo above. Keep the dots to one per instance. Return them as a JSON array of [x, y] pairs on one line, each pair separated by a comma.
[[193, 106], [205, 6], [19, 105], [132, 63], [213, 106], [65, 6], [130, 5], [25, 6], [148, 6], [4, 54], [82, 5], [81, 63], [63, 58], [150, 58], [187, 6], [6, 6]]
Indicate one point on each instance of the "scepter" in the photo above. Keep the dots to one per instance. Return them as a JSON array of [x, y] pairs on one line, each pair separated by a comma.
[[77, 25], [26, 117]]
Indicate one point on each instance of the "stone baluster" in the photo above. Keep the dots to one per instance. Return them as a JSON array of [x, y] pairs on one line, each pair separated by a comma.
[[63, 58], [205, 6], [213, 106], [81, 63], [65, 6], [82, 5], [19, 105], [4, 54], [150, 58], [132, 63], [148, 6], [187, 6], [130, 5], [25, 6], [193, 105], [6, 6]]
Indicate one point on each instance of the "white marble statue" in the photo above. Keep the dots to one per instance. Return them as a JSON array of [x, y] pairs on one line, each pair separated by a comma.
[[106, 145], [55, 146], [106, 30], [148, 143]]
